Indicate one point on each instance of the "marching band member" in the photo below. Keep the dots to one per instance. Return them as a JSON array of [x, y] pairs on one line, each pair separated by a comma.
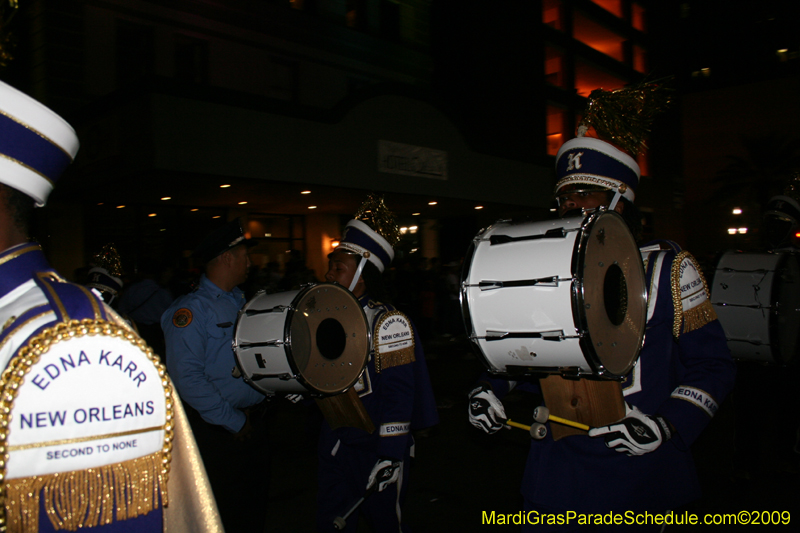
[[395, 387], [643, 461], [103, 464]]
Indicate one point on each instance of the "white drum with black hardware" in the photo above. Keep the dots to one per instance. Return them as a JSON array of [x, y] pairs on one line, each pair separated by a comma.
[[757, 300], [315, 340], [563, 296]]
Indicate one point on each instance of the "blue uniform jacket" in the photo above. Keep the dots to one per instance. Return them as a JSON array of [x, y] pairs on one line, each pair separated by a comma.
[[34, 297], [399, 400], [198, 329], [683, 379]]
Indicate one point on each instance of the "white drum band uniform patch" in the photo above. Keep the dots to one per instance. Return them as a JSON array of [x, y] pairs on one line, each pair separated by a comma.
[[86, 406], [393, 340]]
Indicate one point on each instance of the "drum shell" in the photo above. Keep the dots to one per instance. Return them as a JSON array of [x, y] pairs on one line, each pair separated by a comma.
[[551, 307], [757, 299], [293, 362], [501, 313]]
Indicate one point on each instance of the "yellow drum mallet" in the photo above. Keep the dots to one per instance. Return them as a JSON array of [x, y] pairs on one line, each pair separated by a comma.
[[541, 415]]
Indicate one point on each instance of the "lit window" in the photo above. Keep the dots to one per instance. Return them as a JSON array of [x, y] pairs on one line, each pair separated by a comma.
[[555, 128], [553, 66], [588, 78], [598, 37], [638, 17], [639, 59], [612, 6], [644, 164], [551, 14]]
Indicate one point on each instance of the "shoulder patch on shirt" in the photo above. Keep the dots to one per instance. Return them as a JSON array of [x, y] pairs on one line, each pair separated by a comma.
[[182, 318], [393, 340], [693, 309]]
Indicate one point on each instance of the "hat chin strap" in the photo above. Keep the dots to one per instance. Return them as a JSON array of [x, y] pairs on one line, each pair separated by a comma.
[[357, 275], [615, 200]]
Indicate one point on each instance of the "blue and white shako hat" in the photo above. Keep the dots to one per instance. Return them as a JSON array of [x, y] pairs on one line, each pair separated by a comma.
[[372, 233], [620, 118], [587, 163], [36, 145], [102, 280], [360, 239]]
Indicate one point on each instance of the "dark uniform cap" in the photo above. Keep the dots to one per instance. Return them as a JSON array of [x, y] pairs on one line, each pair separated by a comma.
[[221, 240]]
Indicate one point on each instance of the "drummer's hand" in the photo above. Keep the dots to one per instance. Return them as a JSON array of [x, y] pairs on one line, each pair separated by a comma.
[[636, 434], [485, 410], [247, 429], [384, 473]]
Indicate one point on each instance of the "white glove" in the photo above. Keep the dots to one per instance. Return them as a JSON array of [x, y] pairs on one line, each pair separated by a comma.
[[636, 434], [384, 473], [485, 410]]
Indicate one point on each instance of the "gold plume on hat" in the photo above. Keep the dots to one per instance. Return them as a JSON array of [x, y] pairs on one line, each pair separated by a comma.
[[8, 43], [374, 213], [625, 116], [109, 258]]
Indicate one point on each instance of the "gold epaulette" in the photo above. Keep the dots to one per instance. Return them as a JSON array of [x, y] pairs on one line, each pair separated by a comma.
[[393, 341], [694, 317]]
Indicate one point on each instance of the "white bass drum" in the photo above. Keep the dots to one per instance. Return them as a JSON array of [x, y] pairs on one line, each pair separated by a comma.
[[315, 340], [757, 300], [563, 296]]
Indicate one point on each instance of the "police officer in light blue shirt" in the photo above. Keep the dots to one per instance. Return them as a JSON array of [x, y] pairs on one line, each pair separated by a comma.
[[226, 414]]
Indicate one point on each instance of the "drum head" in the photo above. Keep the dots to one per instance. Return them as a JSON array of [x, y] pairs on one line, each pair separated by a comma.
[[611, 296], [328, 338]]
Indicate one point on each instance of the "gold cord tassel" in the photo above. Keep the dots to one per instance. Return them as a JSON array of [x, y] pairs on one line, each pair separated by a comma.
[[87, 498]]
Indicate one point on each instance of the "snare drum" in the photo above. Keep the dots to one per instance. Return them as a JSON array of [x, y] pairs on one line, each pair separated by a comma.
[[757, 300], [315, 340], [563, 296]]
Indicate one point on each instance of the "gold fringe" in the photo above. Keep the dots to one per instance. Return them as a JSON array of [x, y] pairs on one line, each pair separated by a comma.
[[403, 356], [91, 500], [698, 317], [87, 498]]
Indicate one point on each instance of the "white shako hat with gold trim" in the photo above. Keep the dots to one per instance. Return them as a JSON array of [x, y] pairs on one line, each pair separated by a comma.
[[587, 163], [36, 145]]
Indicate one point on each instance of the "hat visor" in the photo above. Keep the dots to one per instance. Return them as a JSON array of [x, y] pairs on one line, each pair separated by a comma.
[[570, 188]]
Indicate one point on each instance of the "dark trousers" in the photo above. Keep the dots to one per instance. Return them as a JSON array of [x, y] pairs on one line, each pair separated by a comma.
[[239, 471], [343, 480]]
